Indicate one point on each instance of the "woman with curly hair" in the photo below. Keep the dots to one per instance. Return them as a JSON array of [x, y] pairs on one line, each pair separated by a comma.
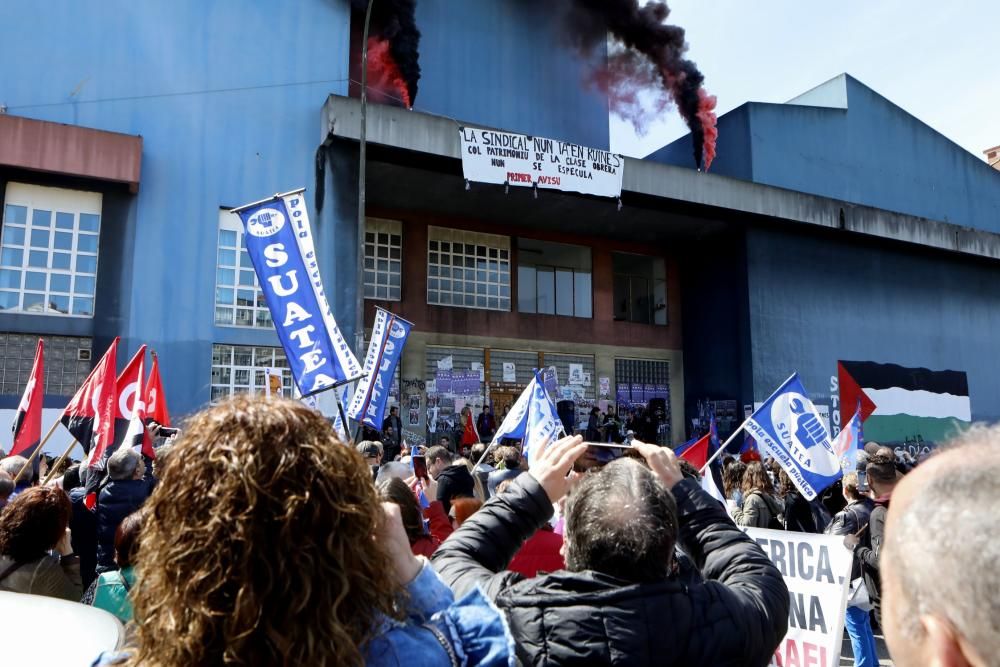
[[760, 509], [31, 526], [265, 544]]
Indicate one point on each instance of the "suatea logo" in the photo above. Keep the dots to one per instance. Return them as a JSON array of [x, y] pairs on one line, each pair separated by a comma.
[[266, 222]]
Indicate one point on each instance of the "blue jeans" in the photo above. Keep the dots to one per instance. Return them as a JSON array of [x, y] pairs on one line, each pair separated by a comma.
[[859, 629]]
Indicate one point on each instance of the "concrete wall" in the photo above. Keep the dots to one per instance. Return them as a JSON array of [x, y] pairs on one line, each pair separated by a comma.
[[815, 300]]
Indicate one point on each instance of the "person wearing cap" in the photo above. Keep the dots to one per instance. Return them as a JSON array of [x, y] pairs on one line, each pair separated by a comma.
[[372, 452]]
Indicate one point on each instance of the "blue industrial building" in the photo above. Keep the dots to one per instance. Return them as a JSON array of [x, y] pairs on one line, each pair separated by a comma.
[[835, 227]]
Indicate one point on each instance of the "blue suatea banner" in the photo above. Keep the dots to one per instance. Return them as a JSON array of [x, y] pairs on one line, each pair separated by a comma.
[[389, 335], [280, 244], [788, 428]]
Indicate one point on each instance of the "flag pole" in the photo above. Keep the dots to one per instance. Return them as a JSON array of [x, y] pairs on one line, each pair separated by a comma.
[[723, 446], [38, 450], [55, 466]]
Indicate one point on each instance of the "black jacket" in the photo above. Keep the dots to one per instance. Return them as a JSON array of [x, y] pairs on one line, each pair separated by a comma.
[[737, 616], [849, 521], [116, 501], [868, 551], [798, 513], [83, 535], [454, 482]]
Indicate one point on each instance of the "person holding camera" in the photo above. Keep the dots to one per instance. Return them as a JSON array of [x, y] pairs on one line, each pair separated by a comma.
[[618, 600]]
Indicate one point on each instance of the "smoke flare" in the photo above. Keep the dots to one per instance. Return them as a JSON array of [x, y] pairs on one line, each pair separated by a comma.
[[648, 56], [385, 81], [393, 49]]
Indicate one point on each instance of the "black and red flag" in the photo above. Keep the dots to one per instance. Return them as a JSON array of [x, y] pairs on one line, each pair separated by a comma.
[[128, 390], [154, 398], [90, 417], [27, 426], [136, 436]]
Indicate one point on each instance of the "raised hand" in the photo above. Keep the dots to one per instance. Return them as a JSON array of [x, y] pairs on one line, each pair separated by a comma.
[[661, 461], [551, 462]]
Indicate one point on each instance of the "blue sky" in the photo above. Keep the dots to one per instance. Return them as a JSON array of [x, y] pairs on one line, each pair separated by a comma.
[[939, 61]]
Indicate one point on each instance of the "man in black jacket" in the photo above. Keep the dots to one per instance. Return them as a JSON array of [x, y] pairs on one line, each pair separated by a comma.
[[124, 494], [616, 603], [453, 481], [867, 546]]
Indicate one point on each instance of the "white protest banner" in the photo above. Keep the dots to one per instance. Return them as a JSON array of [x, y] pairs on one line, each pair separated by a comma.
[[506, 158], [817, 571]]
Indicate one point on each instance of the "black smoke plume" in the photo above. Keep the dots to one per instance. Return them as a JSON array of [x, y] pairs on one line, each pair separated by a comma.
[[646, 55], [394, 21]]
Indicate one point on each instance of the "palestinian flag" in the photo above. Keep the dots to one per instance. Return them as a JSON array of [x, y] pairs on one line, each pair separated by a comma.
[[154, 397], [27, 427], [910, 404], [128, 389]]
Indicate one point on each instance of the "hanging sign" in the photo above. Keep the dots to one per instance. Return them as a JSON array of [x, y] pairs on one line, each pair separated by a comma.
[[505, 158]]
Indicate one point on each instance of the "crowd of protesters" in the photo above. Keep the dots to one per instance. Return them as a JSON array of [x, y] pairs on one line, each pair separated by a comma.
[[258, 537]]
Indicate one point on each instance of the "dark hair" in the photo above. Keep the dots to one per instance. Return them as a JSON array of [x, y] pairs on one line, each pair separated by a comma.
[[395, 490], [732, 478], [621, 521], [509, 456], [477, 451], [755, 479], [688, 470], [438, 452], [785, 484], [34, 522], [881, 468], [71, 478], [127, 538]]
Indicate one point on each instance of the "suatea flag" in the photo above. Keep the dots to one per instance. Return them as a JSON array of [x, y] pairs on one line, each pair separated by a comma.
[[128, 389], [154, 399], [27, 426], [136, 435], [90, 414]]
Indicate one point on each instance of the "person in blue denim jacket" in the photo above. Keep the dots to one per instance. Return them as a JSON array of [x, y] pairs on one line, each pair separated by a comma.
[[265, 544]]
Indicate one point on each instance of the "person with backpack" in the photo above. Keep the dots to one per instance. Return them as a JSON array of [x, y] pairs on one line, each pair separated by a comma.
[[797, 510], [760, 509], [850, 521]]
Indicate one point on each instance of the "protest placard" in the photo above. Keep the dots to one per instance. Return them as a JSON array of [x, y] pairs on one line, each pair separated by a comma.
[[817, 571]]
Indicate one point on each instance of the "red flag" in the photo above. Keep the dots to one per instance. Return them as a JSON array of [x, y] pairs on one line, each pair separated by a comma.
[[136, 434], [90, 414], [128, 388], [697, 454], [154, 397], [28, 421], [850, 393]]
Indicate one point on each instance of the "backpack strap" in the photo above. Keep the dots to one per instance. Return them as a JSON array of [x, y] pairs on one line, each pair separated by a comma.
[[11, 570]]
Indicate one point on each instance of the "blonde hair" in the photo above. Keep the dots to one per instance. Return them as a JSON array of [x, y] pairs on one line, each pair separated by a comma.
[[257, 547]]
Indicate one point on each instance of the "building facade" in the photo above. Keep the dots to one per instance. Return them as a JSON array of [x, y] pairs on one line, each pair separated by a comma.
[[810, 243]]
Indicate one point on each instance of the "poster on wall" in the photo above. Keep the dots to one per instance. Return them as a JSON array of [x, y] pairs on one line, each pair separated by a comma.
[[478, 367], [910, 409], [604, 386], [576, 373], [442, 381], [414, 417], [509, 372], [445, 364], [517, 160]]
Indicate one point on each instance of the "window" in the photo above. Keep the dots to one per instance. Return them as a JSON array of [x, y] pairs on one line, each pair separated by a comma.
[[468, 269], [640, 288], [48, 250], [67, 363], [240, 369], [239, 300], [383, 259], [553, 279]]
